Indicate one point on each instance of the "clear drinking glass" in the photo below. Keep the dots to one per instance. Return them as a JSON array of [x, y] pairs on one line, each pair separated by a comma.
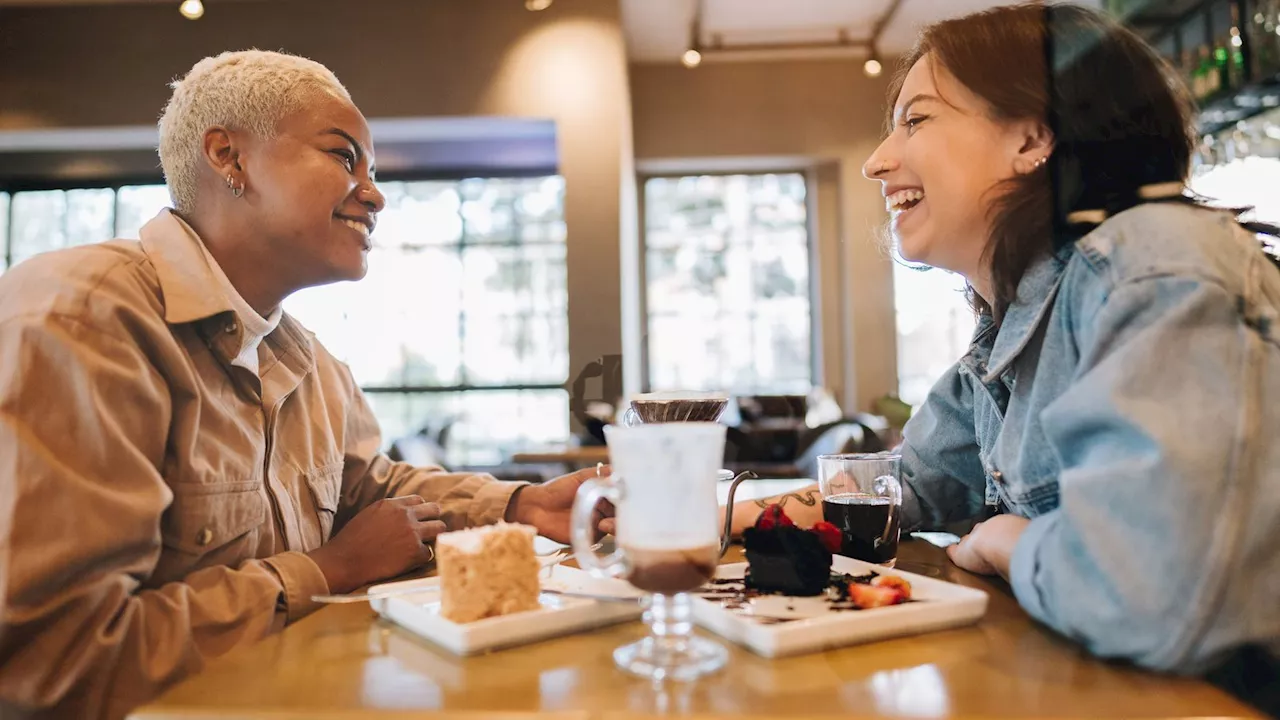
[[663, 488], [862, 495]]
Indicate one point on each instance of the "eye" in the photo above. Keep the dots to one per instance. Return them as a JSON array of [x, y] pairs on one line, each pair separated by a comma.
[[348, 159], [913, 122]]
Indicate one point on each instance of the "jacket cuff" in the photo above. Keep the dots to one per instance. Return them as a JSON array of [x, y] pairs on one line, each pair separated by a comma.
[[1025, 565], [301, 578], [489, 504]]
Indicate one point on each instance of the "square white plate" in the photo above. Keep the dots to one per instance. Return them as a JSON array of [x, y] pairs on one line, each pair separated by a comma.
[[777, 625], [419, 613]]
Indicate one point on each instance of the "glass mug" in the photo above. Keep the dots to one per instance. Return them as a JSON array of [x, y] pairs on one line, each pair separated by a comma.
[[862, 495], [663, 488]]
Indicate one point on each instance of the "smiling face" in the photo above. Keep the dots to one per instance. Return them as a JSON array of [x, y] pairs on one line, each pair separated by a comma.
[[314, 199], [940, 168]]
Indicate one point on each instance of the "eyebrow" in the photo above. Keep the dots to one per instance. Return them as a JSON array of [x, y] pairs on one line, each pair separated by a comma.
[[360, 152]]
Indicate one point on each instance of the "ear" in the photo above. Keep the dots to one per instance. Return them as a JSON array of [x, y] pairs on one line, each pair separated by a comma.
[[1032, 143], [222, 153]]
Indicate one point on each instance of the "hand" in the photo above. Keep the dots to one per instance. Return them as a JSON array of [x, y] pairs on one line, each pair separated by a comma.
[[547, 506], [988, 548], [384, 540]]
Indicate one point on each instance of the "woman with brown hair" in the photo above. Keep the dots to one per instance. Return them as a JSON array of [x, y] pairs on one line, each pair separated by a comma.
[[1111, 417]]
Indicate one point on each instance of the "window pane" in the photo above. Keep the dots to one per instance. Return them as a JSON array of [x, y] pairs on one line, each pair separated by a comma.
[[727, 283], [4, 231], [492, 424], [516, 349], [397, 327], [935, 325], [419, 214], [90, 215], [137, 204], [515, 279], [39, 223]]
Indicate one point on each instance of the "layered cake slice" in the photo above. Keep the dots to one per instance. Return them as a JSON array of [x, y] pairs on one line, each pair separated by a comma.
[[487, 571]]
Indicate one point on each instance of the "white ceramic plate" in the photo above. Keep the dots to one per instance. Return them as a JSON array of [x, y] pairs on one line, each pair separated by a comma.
[[777, 626], [419, 613]]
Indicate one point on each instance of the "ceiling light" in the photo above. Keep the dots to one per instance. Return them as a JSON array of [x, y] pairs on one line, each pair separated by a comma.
[[872, 67], [536, 5], [691, 58], [191, 9]]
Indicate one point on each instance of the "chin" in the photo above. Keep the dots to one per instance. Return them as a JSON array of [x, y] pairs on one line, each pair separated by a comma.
[[913, 251]]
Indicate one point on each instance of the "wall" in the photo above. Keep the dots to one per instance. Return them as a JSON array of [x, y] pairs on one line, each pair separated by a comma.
[[109, 65], [825, 113]]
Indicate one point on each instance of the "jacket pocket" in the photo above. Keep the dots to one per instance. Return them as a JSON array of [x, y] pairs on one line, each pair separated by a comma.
[[204, 518], [325, 484]]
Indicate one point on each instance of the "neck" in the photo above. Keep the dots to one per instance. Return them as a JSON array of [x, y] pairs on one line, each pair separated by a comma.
[[243, 265], [981, 284]]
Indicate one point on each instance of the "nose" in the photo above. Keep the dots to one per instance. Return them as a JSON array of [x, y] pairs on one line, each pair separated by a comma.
[[879, 164], [369, 196]]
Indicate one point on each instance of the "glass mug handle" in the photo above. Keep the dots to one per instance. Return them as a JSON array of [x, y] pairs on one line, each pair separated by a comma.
[[888, 486], [582, 528], [630, 418]]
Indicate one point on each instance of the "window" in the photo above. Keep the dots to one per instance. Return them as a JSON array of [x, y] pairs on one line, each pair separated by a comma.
[[462, 319], [463, 316], [727, 289], [935, 325]]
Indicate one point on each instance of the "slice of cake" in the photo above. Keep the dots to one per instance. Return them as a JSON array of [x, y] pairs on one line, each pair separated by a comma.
[[487, 571], [783, 558]]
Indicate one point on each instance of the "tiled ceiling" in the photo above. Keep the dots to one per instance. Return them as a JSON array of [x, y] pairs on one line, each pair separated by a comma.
[[659, 30]]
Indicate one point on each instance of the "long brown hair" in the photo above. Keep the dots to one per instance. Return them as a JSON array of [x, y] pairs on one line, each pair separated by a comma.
[[1120, 118]]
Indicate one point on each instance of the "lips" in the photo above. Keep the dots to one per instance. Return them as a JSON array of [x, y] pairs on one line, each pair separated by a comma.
[[364, 226]]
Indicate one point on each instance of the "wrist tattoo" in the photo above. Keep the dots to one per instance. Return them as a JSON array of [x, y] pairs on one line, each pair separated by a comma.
[[808, 499]]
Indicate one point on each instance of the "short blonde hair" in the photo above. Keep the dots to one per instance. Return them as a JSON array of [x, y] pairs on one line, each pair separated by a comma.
[[247, 90]]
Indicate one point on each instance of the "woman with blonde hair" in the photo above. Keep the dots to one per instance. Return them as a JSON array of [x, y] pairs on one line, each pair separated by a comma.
[[190, 464]]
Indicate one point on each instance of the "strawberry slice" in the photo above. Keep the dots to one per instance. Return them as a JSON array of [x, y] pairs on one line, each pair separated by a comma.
[[872, 596], [895, 582], [829, 535]]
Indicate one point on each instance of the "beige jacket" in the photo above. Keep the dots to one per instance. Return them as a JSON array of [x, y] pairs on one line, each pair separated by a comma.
[[164, 498]]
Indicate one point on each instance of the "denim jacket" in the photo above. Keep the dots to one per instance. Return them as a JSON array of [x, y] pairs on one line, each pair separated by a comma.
[[1129, 405]]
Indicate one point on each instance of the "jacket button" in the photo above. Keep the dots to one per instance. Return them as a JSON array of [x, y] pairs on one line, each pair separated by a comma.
[[205, 537], [997, 476]]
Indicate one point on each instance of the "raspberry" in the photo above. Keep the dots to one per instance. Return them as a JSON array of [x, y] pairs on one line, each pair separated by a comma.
[[772, 517], [829, 535]]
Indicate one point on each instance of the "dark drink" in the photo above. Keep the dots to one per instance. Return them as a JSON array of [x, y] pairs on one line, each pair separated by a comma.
[[868, 526], [674, 571]]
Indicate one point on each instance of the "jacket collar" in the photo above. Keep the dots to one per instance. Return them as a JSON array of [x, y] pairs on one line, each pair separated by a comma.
[[189, 287], [1036, 292], [191, 291]]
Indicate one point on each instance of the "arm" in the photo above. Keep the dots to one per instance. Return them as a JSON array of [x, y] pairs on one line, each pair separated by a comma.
[[466, 499], [941, 473], [942, 477], [83, 428], [1152, 520]]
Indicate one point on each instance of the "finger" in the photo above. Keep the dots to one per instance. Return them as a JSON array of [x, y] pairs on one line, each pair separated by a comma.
[[585, 474], [428, 531], [406, 500], [425, 511], [608, 526]]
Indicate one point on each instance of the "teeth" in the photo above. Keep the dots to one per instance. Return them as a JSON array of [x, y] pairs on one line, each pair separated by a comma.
[[899, 200], [358, 227]]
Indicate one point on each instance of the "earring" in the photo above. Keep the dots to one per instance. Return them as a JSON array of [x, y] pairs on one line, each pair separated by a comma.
[[236, 190], [1041, 162]]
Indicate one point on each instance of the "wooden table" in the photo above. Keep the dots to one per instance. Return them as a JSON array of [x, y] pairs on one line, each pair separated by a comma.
[[342, 662], [570, 457]]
